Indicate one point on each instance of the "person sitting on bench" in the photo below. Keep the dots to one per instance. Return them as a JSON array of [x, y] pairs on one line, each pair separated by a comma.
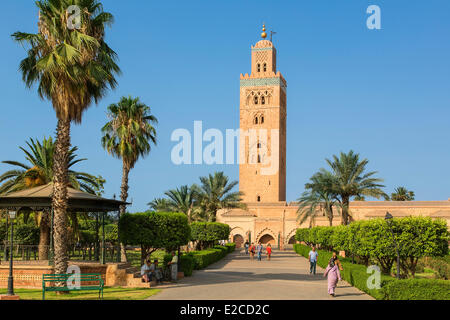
[[145, 272], [156, 271]]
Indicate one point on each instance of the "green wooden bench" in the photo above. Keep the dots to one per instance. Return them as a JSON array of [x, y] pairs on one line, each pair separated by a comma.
[[88, 281]]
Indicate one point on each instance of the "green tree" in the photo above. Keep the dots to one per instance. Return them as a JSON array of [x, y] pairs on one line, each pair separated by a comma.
[[207, 233], [182, 200], [128, 135], [402, 194], [160, 205], [351, 179], [420, 237], [39, 171], [154, 230], [318, 197], [73, 67], [214, 193]]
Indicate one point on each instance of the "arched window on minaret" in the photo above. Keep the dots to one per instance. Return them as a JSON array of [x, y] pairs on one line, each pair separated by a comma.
[[263, 100], [258, 198], [256, 100], [256, 120], [265, 67], [259, 158], [262, 119], [258, 68]]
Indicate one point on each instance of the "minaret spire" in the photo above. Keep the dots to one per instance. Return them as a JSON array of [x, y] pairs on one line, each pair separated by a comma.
[[264, 34]]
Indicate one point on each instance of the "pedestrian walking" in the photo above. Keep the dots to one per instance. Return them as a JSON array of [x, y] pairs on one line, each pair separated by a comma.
[[246, 245], [252, 251], [259, 250], [269, 251], [312, 260], [333, 274]]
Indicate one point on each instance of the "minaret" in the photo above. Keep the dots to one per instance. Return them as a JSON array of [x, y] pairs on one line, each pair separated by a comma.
[[262, 169]]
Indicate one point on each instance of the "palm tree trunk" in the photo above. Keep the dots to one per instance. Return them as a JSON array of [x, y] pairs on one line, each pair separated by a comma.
[[123, 197], [44, 235], [60, 197], [345, 207]]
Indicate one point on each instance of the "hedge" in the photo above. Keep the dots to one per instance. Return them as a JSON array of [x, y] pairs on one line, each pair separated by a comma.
[[371, 240], [202, 259], [391, 288]]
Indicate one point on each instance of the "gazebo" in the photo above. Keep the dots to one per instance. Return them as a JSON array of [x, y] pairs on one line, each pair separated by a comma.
[[40, 199]]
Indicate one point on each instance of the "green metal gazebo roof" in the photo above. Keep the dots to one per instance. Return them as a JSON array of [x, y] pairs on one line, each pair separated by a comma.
[[40, 198]]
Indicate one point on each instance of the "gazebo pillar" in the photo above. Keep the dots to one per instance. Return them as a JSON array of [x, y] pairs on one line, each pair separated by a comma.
[[103, 239]]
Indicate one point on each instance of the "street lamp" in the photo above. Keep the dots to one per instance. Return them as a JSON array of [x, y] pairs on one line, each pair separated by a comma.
[[12, 216], [388, 219]]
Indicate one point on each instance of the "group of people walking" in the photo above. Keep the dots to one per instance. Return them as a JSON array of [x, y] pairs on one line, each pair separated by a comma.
[[332, 272], [258, 250]]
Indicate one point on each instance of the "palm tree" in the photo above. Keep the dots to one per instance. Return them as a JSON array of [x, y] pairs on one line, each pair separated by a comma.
[[215, 193], [402, 194], [183, 199], [318, 197], [39, 172], [352, 180], [128, 136], [160, 205], [72, 67]]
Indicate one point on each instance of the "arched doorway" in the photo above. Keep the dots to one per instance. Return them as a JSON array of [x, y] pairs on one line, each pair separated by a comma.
[[239, 240], [266, 239], [292, 240]]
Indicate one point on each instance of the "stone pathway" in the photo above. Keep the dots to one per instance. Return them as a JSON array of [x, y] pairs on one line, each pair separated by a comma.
[[236, 277]]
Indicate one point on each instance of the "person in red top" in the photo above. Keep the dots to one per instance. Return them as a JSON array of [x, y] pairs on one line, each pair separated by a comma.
[[269, 251], [252, 251]]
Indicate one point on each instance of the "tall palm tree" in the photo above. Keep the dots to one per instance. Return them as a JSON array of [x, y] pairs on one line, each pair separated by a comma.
[[183, 200], [319, 197], [73, 67], [128, 135], [402, 194], [39, 172], [352, 180], [215, 192]]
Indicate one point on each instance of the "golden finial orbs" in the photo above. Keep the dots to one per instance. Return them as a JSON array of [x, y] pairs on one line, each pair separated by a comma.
[[264, 34]]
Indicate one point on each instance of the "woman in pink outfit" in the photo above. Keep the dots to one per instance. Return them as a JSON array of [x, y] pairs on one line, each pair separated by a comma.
[[333, 273]]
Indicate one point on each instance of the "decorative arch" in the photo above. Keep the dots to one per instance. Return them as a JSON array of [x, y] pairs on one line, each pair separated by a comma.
[[264, 232], [289, 235]]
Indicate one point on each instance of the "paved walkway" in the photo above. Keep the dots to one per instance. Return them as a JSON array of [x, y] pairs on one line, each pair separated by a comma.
[[236, 277]]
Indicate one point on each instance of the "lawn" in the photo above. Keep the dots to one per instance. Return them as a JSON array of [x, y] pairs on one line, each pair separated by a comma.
[[116, 293]]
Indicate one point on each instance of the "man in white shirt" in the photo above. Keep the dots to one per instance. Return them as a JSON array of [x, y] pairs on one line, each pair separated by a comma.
[[313, 260], [174, 266]]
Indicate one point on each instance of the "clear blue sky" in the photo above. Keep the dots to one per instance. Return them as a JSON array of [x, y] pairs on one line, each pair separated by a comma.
[[383, 93]]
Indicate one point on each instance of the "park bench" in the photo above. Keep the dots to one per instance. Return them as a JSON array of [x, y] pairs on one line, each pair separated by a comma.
[[88, 281]]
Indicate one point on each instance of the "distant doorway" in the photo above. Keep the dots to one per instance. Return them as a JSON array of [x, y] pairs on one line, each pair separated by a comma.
[[292, 240], [239, 240], [266, 239]]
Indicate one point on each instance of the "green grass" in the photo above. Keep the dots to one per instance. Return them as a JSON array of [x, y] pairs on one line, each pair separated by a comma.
[[116, 293], [426, 274], [134, 257]]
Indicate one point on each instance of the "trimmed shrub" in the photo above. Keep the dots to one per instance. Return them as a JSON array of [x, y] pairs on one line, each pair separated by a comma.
[[187, 264], [391, 288], [417, 289], [208, 233], [372, 240], [204, 258], [230, 246], [154, 230]]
